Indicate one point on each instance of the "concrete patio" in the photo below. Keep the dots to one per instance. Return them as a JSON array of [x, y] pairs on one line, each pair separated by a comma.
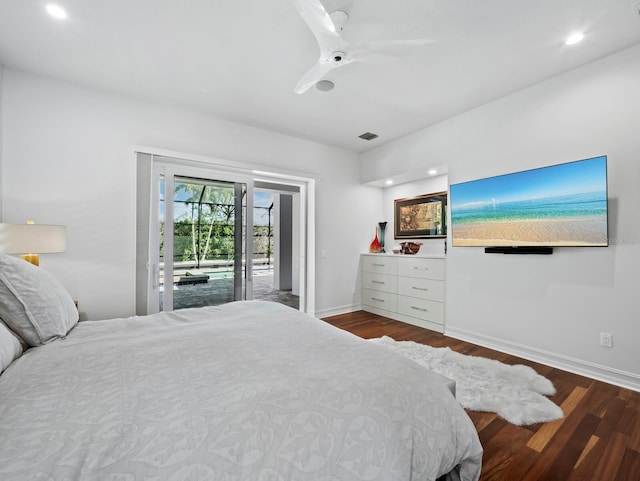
[[218, 291]]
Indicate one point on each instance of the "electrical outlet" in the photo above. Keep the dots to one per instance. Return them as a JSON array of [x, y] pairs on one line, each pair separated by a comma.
[[606, 339]]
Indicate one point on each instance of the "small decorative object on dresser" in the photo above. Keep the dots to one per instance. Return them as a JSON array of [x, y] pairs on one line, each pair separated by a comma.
[[375, 247], [410, 247], [382, 227]]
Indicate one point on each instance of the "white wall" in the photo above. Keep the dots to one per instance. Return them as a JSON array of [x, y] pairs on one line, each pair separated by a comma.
[[550, 308], [68, 159]]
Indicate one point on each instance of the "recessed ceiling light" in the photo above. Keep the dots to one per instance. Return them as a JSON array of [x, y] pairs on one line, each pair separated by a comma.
[[389, 182], [56, 11], [574, 38], [432, 172]]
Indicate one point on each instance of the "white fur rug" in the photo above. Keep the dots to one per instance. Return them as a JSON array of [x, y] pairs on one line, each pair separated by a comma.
[[516, 393]]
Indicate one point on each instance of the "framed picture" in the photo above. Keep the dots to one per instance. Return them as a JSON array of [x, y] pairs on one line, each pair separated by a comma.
[[420, 217]]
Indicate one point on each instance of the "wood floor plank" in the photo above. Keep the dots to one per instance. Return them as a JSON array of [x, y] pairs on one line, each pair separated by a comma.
[[587, 449], [482, 420], [611, 417], [520, 465], [601, 395], [611, 459], [506, 440], [628, 420], [630, 466], [562, 447], [584, 469], [546, 432], [569, 453], [634, 435], [597, 440]]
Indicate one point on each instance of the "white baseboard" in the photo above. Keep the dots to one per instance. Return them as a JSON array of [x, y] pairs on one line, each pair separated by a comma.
[[598, 372], [335, 311]]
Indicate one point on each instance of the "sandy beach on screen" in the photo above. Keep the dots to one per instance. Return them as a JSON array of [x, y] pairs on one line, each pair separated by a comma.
[[555, 232]]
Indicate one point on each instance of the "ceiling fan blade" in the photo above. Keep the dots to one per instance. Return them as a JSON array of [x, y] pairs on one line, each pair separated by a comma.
[[381, 49], [316, 73], [319, 22]]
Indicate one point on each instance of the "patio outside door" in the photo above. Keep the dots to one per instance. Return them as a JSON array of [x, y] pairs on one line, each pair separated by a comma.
[[203, 229]]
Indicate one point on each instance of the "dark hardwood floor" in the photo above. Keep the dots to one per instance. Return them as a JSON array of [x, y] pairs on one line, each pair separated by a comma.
[[597, 440]]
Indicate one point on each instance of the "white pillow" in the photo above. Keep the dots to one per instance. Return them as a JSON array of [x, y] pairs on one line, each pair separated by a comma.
[[33, 304], [10, 347]]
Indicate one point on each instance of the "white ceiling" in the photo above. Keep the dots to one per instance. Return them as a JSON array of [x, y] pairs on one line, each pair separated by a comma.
[[241, 59]]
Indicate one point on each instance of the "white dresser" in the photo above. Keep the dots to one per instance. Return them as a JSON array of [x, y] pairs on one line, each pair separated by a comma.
[[408, 288]]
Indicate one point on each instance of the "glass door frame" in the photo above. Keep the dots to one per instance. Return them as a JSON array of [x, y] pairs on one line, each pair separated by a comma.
[[170, 170], [147, 239]]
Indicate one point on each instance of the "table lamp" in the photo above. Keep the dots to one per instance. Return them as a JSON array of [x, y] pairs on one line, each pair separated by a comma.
[[31, 239]]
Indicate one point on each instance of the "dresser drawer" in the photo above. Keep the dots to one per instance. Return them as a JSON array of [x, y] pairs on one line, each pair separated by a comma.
[[380, 282], [421, 308], [420, 287], [421, 267], [407, 288], [381, 264], [379, 299]]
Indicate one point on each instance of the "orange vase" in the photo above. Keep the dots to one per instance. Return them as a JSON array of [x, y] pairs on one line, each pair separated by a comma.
[[375, 247]]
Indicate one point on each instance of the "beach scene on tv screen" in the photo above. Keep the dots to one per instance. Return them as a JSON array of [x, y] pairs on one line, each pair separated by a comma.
[[560, 205]]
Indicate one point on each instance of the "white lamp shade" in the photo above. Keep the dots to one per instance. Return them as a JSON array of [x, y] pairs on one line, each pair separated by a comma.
[[32, 238]]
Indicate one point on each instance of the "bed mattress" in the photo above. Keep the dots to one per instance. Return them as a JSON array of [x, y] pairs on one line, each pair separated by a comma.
[[246, 391]]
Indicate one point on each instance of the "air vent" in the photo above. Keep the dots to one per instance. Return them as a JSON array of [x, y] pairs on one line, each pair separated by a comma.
[[368, 136]]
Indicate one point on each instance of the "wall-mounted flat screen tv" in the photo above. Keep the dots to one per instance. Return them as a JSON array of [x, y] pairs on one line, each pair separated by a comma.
[[559, 205]]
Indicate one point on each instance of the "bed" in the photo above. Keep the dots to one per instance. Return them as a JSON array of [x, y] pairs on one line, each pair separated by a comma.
[[250, 390]]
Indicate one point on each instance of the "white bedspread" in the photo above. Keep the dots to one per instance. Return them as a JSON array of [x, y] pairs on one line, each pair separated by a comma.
[[246, 391]]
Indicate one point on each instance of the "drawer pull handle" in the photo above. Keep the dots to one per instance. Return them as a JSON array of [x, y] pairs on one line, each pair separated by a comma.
[[378, 282], [419, 268], [419, 288], [419, 309], [376, 299], [378, 265]]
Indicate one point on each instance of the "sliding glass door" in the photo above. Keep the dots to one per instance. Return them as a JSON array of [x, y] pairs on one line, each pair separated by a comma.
[[202, 230]]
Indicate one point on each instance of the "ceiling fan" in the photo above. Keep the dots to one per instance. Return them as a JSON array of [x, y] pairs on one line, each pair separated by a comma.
[[335, 51]]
